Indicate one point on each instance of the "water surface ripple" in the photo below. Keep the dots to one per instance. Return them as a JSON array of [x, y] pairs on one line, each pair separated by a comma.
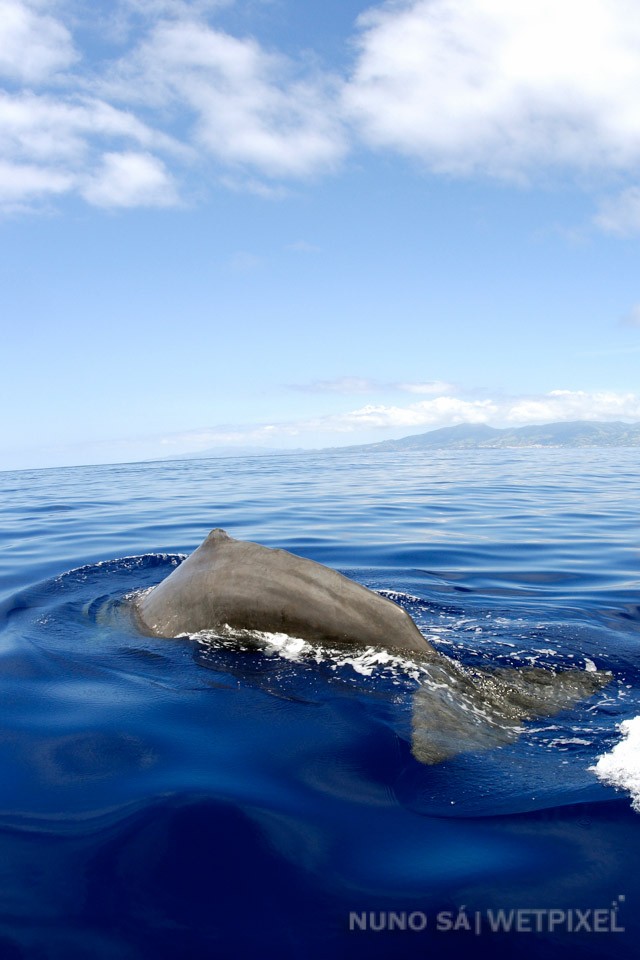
[[191, 799]]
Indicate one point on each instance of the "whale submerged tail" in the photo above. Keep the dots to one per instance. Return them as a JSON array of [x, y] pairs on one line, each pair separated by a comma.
[[463, 710]]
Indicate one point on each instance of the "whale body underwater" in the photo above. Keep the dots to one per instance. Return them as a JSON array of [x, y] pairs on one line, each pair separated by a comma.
[[246, 587]]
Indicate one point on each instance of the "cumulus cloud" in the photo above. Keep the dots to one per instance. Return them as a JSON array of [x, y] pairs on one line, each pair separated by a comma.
[[20, 183], [130, 180], [43, 127], [56, 145], [468, 87], [181, 92], [426, 413], [498, 87], [444, 411], [33, 46], [574, 405]]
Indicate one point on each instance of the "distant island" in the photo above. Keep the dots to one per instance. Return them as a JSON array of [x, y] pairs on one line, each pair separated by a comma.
[[467, 436], [478, 436]]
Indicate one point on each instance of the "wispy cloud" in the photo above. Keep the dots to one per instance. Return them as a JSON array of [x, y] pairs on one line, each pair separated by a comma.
[[302, 246], [245, 262], [428, 386], [632, 319], [33, 46], [244, 106], [241, 183], [343, 385], [353, 385], [620, 214]]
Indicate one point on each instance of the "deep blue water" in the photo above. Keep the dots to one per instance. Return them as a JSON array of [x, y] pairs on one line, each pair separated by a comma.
[[176, 798]]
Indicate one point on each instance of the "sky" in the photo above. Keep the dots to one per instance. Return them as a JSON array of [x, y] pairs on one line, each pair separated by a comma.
[[242, 224]]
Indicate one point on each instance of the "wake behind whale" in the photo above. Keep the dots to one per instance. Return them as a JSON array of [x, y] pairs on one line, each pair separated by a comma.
[[228, 584]]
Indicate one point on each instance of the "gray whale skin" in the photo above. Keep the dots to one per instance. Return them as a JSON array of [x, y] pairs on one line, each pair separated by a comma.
[[248, 587]]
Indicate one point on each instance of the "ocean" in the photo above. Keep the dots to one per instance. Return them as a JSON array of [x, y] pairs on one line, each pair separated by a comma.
[[198, 798]]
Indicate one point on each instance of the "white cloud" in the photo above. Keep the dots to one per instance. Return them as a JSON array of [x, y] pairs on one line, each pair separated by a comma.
[[130, 180], [33, 46], [248, 107], [46, 127], [363, 422], [256, 115], [501, 87], [55, 144], [23, 182], [427, 386], [505, 88], [440, 411], [574, 405]]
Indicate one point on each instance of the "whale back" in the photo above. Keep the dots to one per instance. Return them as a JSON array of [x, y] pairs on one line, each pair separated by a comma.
[[246, 586]]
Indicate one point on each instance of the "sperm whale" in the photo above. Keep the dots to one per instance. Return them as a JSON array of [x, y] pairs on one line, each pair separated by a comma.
[[228, 583], [246, 586]]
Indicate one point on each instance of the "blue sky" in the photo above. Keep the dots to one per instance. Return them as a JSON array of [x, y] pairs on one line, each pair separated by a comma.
[[268, 223]]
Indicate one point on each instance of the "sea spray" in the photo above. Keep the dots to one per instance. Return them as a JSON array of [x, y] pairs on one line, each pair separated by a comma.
[[621, 766]]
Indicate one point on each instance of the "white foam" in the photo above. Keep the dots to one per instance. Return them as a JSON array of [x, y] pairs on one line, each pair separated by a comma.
[[399, 595], [374, 660], [621, 766], [291, 648], [135, 595], [368, 662], [173, 558]]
